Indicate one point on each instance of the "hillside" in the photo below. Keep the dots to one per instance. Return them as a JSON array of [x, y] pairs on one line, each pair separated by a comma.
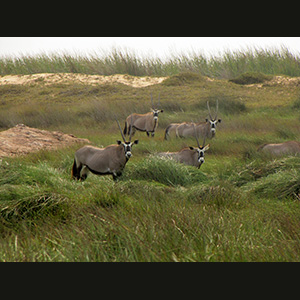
[[239, 206]]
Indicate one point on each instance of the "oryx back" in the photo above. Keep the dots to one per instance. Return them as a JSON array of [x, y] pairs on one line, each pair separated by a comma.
[[171, 130], [102, 160], [286, 148], [185, 130]]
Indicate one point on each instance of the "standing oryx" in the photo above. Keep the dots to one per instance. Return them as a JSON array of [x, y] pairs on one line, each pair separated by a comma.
[[203, 129], [189, 156], [143, 122], [110, 160]]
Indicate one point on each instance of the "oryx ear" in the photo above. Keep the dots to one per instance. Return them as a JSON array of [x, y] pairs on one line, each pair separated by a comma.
[[161, 110], [192, 148], [136, 142], [219, 120], [206, 120], [119, 142], [206, 147]]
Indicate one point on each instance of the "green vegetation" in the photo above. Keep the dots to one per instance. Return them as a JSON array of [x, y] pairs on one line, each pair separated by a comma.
[[250, 78], [120, 61], [240, 206]]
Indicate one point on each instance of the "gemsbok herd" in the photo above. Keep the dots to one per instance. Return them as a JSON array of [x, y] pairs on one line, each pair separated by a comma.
[[112, 159]]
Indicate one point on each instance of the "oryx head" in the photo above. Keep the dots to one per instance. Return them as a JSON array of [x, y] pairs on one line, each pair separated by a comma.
[[155, 111], [201, 149], [127, 145], [213, 121]]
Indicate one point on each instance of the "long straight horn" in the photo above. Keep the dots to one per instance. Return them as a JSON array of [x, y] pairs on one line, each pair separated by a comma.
[[217, 108], [152, 101], [158, 104], [121, 130], [130, 129], [209, 110], [195, 134], [203, 143]]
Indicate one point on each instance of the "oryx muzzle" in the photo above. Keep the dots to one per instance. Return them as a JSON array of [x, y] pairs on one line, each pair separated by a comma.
[[110, 160]]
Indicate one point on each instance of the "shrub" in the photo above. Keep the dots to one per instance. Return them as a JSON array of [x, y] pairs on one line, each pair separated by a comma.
[[183, 79], [227, 105], [251, 77], [165, 171]]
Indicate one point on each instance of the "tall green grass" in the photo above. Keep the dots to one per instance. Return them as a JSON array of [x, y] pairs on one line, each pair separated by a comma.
[[275, 61], [46, 216]]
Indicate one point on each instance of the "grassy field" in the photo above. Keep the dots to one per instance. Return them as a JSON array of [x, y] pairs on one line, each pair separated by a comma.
[[240, 206]]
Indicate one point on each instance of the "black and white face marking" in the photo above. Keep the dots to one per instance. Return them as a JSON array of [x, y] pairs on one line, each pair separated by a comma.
[[213, 125], [200, 152], [127, 147], [156, 112]]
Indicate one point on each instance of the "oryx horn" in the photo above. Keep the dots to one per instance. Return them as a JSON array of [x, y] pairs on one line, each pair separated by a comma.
[[130, 129], [152, 101], [196, 134], [158, 104], [217, 108], [209, 110], [121, 130]]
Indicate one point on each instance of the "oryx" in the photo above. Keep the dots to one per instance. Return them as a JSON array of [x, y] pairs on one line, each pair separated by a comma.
[[203, 129], [286, 148], [110, 160], [190, 155], [143, 122]]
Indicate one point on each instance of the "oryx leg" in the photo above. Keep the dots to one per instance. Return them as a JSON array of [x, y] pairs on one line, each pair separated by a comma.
[[84, 173], [152, 134], [76, 169], [131, 128], [116, 175]]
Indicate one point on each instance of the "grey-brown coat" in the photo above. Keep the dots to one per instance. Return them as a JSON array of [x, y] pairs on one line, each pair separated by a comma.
[[205, 129], [110, 160], [192, 156], [143, 122], [285, 148]]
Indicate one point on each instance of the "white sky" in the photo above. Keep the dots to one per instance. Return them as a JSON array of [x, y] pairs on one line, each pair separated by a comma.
[[154, 46]]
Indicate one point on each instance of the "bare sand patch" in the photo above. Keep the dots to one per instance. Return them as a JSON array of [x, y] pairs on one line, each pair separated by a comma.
[[21, 139], [54, 78]]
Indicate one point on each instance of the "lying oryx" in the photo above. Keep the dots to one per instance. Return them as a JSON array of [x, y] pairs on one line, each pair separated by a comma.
[[143, 122], [110, 160], [286, 148], [190, 156], [203, 129]]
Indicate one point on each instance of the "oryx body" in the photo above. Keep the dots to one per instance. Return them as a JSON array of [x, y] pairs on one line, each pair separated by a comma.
[[143, 122], [171, 130], [110, 160], [286, 148], [189, 156], [205, 129]]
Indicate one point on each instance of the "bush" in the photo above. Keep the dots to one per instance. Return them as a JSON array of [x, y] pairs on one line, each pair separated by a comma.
[[183, 79], [165, 171], [227, 105], [251, 77]]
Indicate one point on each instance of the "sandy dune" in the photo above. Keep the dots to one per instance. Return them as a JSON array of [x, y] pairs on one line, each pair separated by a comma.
[[53, 78]]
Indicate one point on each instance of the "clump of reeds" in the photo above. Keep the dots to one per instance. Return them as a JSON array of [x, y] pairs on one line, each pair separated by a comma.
[[122, 61]]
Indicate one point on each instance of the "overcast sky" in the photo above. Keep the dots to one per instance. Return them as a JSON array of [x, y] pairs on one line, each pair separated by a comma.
[[154, 46]]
